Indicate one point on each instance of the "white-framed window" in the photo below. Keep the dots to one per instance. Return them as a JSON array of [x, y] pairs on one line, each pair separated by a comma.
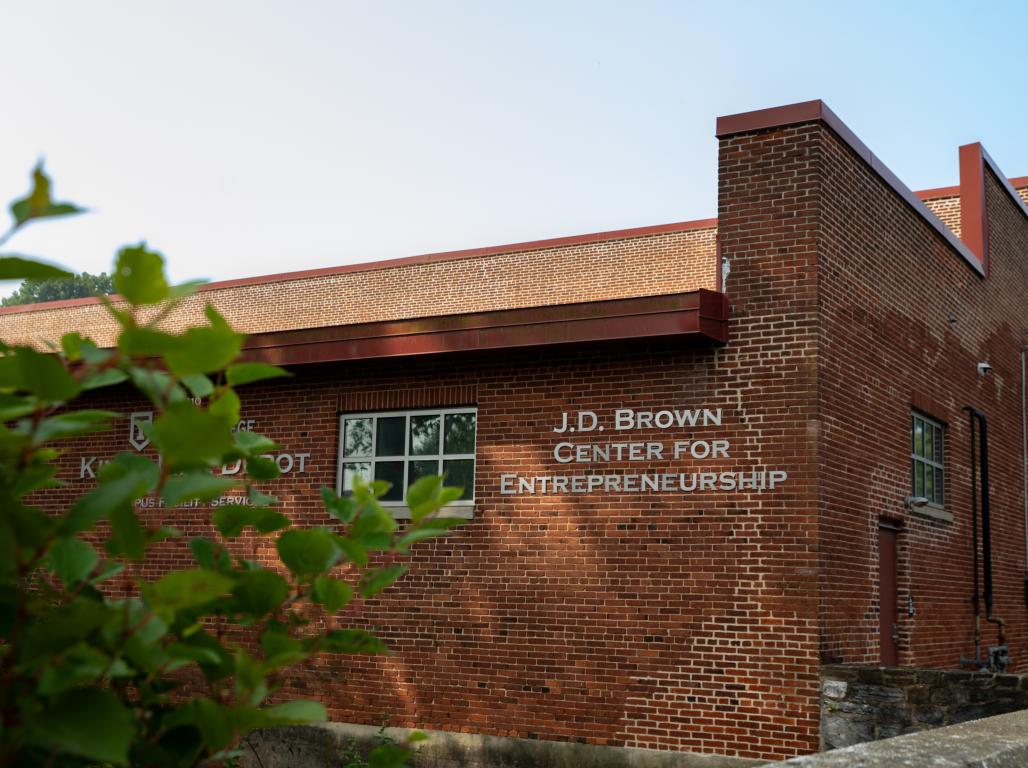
[[401, 446], [927, 464]]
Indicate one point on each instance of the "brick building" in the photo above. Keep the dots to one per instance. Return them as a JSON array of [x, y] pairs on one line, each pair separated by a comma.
[[702, 459]]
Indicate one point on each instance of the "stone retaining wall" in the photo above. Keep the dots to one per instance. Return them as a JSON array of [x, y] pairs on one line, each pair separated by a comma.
[[336, 745], [995, 742], [860, 704]]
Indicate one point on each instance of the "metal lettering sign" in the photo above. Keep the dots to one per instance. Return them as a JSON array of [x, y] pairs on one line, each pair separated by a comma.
[[698, 452], [137, 437]]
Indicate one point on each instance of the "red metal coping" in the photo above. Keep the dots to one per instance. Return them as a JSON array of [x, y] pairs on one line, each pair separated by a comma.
[[811, 111], [700, 315], [1015, 182], [974, 221], [426, 258]]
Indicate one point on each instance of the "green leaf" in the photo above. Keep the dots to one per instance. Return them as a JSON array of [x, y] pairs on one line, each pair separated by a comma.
[[294, 713], [251, 444], [194, 485], [422, 494], [80, 665], [355, 553], [20, 268], [105, 378], [210, 555], [375, 581], [308, 553], [42, 375], [128, 537], [389, 756], [157, 385], [139, 275], [198, 385], [188, 436], [38, 204], [428, 529], [331, 593], [353, 641], [88, 722], [204, 349], [127, 478], [72, 560], [260, 592], [73, 424], [247, 373], [15, 406], [108, 570], [281, 649], [71, 345], [185, 589], [262, 468], [231, 519], [340, 507], [215, 723], [199, 654], [226, 406]]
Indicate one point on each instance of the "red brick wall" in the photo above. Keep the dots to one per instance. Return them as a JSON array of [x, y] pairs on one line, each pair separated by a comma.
[[904, 322], [691, 621]]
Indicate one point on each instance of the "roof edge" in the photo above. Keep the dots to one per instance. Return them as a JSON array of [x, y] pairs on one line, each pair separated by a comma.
[[1015, 182], [426, 258], [818, 111]]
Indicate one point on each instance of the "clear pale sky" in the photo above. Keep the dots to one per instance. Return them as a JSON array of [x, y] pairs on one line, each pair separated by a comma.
[[243, 138]]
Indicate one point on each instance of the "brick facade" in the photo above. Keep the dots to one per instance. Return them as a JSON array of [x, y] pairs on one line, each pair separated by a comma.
[[695, 620]]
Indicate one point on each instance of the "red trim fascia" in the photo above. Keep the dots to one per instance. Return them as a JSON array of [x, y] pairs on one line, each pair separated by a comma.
[[974, 214], [811, 111], [698, 315], [1016, 182], [974, 223], [1008, 185], [426, 258]]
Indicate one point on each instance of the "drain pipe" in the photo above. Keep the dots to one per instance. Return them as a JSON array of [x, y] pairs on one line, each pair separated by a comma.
[[983, 458], [1024, 466], [976, 594], [997, 657]]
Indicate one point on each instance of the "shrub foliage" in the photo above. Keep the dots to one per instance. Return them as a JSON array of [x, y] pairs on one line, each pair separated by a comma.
[[89, 678]]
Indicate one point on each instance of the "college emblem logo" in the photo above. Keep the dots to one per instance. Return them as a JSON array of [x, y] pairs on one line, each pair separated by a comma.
[[137, 437]]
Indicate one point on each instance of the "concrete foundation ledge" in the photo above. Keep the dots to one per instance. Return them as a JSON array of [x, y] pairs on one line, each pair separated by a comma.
[[992, 742], [339, 744]]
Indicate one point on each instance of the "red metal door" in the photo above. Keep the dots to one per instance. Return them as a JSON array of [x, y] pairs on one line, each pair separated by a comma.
[[888, 626]]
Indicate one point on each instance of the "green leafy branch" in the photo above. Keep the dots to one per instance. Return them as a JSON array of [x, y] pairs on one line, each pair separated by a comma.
[[100, 671]]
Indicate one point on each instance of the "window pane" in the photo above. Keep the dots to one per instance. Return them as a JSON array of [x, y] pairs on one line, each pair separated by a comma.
[[391, 472], [938, 486], [350, 470], [928, 450], [357, 437], [460, 433], [918, 438], [929, 484], [913, 477], [461, 472], [418, 469], [424, 435], [389, 437], [938, 445]]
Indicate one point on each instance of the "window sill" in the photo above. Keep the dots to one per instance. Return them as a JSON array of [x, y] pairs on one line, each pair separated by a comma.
[[401, 512], [934, 513]]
